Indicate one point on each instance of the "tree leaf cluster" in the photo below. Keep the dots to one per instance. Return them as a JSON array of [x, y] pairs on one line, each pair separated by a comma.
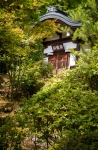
[[64, 113], [65, 109]]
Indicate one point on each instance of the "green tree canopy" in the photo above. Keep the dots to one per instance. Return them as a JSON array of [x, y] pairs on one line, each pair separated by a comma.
[[63, 114]]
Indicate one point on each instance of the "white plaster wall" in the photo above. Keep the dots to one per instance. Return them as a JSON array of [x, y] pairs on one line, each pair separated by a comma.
[[72, 60], [68, 34], [46, 59], [69, 45], [48, 50]]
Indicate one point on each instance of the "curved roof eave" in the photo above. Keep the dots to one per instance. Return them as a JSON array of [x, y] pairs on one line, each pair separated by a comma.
[[65, 19]]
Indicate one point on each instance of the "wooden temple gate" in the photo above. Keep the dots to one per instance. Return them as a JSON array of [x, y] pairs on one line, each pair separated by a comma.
[[57, 48]]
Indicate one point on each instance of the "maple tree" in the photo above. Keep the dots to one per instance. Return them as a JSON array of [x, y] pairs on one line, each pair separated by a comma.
[[65, 110]]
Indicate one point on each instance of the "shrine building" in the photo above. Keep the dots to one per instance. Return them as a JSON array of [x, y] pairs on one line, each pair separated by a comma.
[[57, 48]]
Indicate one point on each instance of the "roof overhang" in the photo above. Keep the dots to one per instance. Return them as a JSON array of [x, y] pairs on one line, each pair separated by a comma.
[[54, 13]]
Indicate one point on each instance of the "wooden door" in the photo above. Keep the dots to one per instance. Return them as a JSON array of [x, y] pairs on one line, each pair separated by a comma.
[[52, 60], [59, 61], [63, 60]]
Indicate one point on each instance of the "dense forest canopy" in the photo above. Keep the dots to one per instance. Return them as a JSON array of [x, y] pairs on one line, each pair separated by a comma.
[[56, 112]]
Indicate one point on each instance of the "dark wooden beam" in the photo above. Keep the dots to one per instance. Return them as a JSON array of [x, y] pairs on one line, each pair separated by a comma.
[[62, 40]]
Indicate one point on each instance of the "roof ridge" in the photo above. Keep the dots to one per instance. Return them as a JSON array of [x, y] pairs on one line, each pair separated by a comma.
[[55, 9]]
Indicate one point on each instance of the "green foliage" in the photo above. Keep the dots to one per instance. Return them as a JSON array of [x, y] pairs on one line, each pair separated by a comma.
[[87, 141], [89, 30], [64, 113], [65, 110], [34, 77], [10, 136], [19, 46], [2, 65]]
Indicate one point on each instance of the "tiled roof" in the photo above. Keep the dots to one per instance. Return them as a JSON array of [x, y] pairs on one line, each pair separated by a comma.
[[54, 13]]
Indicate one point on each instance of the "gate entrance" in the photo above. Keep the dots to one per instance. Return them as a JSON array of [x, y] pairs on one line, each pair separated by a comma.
[[60, 61]]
